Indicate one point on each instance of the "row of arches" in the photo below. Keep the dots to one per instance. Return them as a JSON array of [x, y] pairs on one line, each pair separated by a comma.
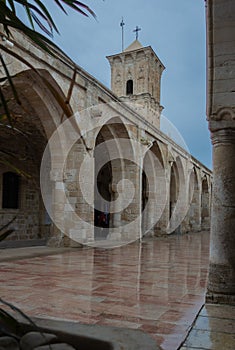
[[160, 190], [111, 172], [135, 189]]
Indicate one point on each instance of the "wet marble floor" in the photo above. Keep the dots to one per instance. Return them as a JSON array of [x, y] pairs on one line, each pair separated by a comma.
[[214, 329], [157, 286]]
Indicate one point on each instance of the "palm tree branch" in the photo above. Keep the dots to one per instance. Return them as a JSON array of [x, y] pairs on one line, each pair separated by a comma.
[[10, 80], [55, 93]]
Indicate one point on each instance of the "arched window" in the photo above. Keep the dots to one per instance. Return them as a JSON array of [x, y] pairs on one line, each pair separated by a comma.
[[129, 87], [10, 191]]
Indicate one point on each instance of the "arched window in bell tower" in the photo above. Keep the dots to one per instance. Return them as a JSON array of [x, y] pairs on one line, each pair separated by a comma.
[[129, 87]]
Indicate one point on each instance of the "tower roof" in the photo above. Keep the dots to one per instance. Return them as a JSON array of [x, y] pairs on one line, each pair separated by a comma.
[[136, 45]]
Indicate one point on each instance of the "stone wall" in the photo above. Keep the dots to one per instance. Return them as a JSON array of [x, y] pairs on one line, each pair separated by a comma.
[[70, 192]]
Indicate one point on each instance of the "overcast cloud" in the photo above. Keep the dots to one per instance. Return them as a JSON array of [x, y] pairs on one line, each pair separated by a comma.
[[174, 29]]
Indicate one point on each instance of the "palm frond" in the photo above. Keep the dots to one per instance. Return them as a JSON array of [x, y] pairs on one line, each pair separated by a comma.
[[41, 10], [37, 13], [77, 5], [8, 76], [5, 106], [12, 5], [55, 93]]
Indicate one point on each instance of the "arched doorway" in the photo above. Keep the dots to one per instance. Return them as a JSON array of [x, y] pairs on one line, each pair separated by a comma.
[[153, 189], [145, 199], [174, 199], [174, 189], [103, 183], [192, 221], [114, 165]]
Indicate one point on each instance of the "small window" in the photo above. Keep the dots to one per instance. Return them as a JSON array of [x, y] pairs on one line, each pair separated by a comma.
[[10, 191], [129, 87]]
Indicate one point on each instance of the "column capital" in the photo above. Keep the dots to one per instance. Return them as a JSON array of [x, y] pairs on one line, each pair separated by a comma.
[[223, 118]]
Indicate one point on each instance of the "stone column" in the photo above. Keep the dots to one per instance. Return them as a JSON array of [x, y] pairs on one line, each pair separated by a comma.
[[221, 115], [221, 284]]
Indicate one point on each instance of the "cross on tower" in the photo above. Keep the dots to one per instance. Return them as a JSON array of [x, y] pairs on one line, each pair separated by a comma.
[[122, 25], [136, 31]]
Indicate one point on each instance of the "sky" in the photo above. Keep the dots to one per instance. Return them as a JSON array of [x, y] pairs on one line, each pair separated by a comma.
[[175, 30]]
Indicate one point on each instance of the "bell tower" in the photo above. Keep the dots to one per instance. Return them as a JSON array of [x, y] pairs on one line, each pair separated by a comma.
[[136, 77]]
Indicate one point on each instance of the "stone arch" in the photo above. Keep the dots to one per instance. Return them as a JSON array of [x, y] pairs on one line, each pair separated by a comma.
[[205, 204], [192, 221], [34, 121], [194, 210], [174, 188], [45, 97], [114, 157], [153, 189], [178, 203], [128, 58], [103, 184]]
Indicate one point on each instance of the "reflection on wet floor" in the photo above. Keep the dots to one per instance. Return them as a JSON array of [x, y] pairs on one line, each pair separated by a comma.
[[157, 285], [214, 329]]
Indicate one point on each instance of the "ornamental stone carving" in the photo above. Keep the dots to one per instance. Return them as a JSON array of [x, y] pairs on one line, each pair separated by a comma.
[[224, 118], [224, 114]]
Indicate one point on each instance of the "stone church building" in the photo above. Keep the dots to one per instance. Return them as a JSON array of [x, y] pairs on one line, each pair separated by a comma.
[[94, 165]]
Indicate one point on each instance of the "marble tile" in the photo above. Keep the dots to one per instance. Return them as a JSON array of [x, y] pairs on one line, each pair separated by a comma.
[[157, 286], [215, 324], [210, 340]]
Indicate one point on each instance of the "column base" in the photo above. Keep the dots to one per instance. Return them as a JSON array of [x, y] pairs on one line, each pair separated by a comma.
[[221, 279], [216, 298]]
